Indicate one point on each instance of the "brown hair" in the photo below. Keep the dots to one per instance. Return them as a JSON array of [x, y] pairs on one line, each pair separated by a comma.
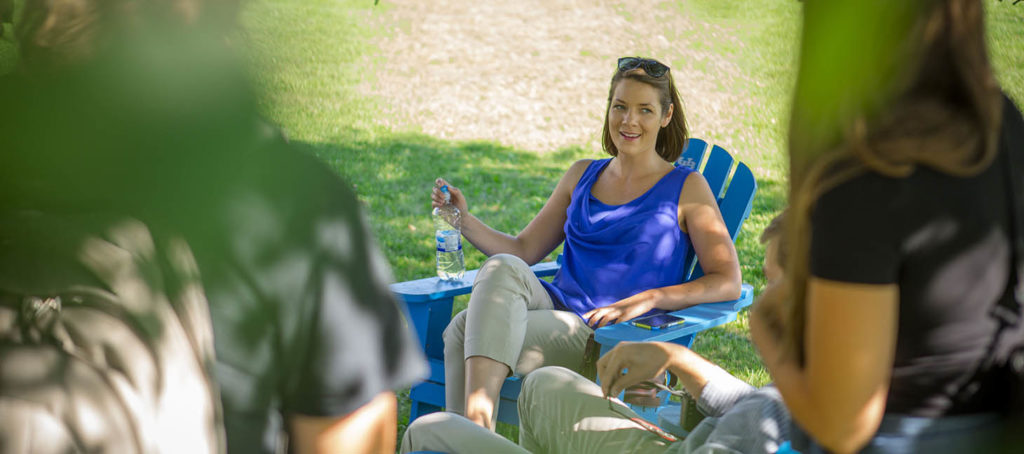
[[928, 99], [672, 138], [775, 231]]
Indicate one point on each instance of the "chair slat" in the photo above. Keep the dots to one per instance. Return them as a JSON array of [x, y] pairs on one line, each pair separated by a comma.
[[717, 168], [693, 154], [739, 200]]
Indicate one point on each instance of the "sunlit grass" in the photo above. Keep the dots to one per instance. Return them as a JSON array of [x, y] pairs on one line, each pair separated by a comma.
[[1005, 30]]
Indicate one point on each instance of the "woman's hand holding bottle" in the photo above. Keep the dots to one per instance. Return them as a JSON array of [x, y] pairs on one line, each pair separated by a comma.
[[457, 199]]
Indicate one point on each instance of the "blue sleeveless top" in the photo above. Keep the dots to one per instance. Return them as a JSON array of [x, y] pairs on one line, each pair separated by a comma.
[[613, 252]]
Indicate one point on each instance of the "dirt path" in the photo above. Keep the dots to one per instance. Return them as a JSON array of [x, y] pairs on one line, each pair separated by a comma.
[[533, 74]]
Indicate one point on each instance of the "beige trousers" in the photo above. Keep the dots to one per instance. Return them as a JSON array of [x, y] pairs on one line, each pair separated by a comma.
[[559, 412], [510, 319]]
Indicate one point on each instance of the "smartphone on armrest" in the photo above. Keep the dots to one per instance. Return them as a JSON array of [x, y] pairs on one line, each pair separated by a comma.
[[657, 321]]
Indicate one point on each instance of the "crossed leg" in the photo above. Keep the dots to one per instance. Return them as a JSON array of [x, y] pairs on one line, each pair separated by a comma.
[[509, 327]]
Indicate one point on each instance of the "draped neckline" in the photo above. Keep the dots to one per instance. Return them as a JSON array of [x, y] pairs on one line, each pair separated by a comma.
[[604, 166]]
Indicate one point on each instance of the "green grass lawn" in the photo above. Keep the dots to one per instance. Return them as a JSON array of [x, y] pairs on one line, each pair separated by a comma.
[[310, 58], [1005, 28]]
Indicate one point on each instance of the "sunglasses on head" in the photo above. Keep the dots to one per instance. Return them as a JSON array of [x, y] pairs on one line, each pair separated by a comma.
[[653, 68]]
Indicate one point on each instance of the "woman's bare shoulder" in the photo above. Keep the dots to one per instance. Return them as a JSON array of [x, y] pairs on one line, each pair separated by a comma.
[[573, 175]]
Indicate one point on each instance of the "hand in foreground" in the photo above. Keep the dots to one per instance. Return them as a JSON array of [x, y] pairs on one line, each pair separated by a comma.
[[641, 361], [437, 198], [622, 310]]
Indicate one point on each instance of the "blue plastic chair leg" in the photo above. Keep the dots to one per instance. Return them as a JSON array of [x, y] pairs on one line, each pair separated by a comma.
[[418, 409]]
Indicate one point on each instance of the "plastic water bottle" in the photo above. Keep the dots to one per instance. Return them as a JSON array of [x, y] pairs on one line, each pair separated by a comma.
[[448, 231]]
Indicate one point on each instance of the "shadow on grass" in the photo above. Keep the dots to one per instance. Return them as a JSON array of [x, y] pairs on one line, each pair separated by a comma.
[[393, 175], [505, 187]]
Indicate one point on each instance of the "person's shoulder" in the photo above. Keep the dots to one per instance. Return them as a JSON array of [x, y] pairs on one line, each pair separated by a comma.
[[693, 181], [577, 168], [582, 164]]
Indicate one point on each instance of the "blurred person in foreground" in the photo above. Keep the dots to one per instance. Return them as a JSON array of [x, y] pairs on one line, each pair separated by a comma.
[[140, 108], [562, 411], [886, 335]]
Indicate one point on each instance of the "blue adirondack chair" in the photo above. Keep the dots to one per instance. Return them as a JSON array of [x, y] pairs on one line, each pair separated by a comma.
[[430, 300]]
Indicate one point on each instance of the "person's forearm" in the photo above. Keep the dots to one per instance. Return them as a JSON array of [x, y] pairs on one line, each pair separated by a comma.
[[842, 434], [689, 367], [715, 390], [838, 394], [710, 288], [491, 241], [488, 240]]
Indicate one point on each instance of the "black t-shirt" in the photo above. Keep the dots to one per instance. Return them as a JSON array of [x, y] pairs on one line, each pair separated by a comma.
[[303, 318], [944, 241]]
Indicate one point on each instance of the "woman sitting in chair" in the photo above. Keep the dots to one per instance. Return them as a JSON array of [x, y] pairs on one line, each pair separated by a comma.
[[627, 222], [561, 411]]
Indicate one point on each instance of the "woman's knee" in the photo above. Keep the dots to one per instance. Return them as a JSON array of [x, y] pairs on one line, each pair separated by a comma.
[[543, 382], [503, 278], [424, 429], [503, 264], [455, 333], [542, 388]]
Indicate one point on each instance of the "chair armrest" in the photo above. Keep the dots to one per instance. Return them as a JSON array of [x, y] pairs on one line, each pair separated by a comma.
[[429, 303], [698, 318], [434, 288]]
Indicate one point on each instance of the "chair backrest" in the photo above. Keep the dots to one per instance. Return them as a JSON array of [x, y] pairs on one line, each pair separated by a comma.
[[733, 185]]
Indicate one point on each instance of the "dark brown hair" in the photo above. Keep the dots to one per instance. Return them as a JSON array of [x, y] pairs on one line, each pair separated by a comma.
[[672, 138], [775, 231]]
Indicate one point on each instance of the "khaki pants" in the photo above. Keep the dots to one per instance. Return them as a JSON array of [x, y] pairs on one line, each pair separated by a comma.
[[559, 412], [510, 319]]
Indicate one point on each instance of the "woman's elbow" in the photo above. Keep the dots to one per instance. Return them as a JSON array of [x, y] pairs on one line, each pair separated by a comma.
[[848, 434], [722, 285], [731, 285], [734, 290]]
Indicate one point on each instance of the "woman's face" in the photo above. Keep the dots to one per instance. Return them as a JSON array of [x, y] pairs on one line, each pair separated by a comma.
[[635, 117]]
